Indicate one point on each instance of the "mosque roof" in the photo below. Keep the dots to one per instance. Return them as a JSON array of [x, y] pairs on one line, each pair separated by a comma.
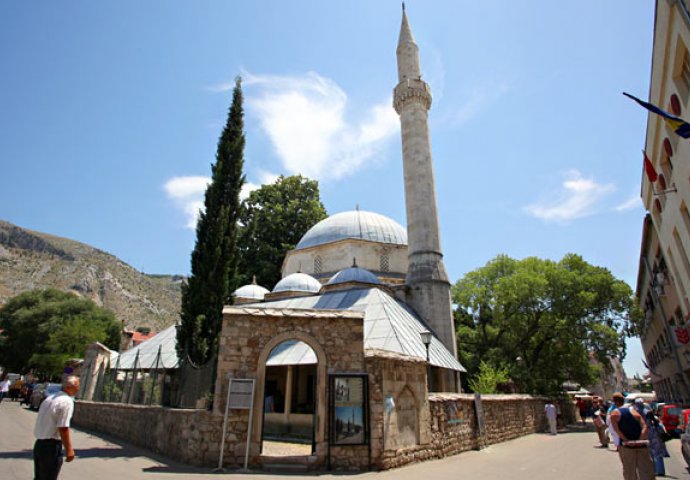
[[146, 354], [252, 291], [355, 224], [354, 274], [389, 324], [298, 282]]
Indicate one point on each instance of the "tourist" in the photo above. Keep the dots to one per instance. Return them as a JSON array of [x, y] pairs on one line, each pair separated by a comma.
[[551, 414], [657, 447], [582, 408], [52, 430], [599, 419], [630, 439], [4, 388]]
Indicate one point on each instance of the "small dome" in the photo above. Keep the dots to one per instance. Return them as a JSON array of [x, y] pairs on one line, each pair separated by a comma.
[[354, 274], [253, 291], [354, 224], [298, 282]]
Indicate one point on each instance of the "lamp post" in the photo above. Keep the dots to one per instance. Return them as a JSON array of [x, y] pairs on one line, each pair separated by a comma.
[[426, 340]]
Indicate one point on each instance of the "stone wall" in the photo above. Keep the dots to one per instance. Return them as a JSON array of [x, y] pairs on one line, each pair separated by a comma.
[[453, 426], [188, 436]]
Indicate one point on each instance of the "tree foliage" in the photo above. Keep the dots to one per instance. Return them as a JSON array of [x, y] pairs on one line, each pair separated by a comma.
[[273, 219], [488, 378], [44, 328], [214, 259], [542, 320]]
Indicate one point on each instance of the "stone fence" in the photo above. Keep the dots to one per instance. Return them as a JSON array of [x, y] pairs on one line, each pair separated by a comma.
[[454, 426], [193, 436]]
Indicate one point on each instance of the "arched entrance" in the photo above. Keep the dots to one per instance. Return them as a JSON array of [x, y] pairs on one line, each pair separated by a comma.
[[289, 400]]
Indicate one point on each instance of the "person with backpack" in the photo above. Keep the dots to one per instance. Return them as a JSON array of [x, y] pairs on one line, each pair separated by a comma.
[[631, 440]]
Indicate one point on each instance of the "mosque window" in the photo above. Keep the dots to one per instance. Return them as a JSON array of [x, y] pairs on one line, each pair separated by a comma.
[[318, 264], [384, 263]]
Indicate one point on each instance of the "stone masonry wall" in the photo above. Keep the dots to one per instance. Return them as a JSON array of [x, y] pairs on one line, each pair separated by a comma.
[[189, 436], [453, 425]]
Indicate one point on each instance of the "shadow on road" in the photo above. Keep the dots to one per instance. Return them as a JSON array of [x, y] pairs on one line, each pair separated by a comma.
[[18, 454]]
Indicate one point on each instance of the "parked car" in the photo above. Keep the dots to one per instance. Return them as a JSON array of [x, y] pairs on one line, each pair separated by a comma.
[[684, 417], [41, 392], [670, 417], [685, 445]]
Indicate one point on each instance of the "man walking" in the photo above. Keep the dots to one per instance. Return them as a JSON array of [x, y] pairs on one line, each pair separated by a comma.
[[52, 431], [551, 414], [4, 388], [630, 438]]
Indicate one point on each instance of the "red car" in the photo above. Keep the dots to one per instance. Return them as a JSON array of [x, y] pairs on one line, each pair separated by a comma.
[[670, 417]]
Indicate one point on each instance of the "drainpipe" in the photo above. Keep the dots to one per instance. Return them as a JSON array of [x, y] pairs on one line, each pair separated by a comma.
[[669, 333]]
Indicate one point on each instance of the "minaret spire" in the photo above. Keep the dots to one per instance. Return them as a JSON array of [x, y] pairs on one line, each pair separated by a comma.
[[428, 289], [407, 51]]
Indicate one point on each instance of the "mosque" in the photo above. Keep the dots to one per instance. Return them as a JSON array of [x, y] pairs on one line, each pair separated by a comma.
[[359, 261], [346, 348]]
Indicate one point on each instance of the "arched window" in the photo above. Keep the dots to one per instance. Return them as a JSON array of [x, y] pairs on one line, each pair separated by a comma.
[[318, 266], [384, 262]]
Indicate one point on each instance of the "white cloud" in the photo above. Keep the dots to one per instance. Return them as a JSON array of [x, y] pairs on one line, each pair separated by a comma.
[[304, 118], [630, 204], [187, 193], [578, 198], [479, 99]]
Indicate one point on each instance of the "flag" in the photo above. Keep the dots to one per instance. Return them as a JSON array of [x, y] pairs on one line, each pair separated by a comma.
[[678, 125], [649, 168]]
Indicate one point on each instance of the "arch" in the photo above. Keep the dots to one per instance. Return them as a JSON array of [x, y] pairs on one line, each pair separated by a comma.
[[320, 411], [403, 423]]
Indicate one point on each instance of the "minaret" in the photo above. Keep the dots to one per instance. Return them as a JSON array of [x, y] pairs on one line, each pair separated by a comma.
[[428, 287]]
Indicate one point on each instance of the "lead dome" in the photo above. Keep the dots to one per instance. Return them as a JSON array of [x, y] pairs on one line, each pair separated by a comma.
[[357, 224], [298, 282]]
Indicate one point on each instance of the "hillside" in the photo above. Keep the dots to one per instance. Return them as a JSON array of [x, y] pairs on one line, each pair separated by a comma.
[[31, 260]]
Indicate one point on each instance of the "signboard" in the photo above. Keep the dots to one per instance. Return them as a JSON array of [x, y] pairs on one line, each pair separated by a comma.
[[349, 416], [240, 392], [481, 425]]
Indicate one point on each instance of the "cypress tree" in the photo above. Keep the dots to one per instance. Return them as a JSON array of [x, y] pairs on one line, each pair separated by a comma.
[[214, 259]]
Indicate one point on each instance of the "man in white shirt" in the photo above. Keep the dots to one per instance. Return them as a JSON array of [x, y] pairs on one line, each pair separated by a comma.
[[52, 431], [4, 388], [551, 415]]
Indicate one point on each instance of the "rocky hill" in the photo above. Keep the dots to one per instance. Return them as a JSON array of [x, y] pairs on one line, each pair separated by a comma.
[[31, 260]]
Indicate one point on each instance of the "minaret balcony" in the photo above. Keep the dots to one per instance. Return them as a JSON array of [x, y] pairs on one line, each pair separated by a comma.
[[415, 89]]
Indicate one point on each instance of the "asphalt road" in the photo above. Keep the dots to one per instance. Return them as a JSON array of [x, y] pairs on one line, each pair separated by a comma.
[[569, 455]]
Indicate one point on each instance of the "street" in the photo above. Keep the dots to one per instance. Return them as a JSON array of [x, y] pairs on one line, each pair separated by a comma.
[[569, 455]]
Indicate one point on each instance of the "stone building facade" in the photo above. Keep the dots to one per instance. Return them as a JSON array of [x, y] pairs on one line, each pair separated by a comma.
[[663, 282]]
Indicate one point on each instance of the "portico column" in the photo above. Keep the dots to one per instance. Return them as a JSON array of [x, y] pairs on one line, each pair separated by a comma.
[[288, 394]]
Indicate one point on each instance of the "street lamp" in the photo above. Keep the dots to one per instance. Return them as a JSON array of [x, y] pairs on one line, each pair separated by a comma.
[[426, 340]]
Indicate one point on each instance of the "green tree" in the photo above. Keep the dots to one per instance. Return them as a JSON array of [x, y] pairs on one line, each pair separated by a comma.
[[214, 259], [43, 328], [488, 378], [273, 219], [542, 319]]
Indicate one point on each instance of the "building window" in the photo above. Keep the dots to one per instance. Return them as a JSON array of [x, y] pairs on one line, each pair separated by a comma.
[[681, 250], [384, 263], [318, 267]]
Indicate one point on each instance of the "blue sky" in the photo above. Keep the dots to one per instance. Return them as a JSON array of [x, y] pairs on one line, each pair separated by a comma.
[[110, 114]]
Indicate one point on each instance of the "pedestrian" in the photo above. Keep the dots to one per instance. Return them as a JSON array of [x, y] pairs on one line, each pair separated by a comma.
[[657, 447], [582, 408], [551, 413], [630, 439], [4, 388], [52, 431], [599, 419]]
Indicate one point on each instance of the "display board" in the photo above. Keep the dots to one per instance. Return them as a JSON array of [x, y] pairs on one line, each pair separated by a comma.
[[349, 395]]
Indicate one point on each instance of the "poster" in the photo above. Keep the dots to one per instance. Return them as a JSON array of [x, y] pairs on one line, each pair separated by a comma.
[[349, 410]]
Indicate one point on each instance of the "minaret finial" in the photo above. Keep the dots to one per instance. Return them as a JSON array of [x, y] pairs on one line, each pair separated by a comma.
[[354, 262], [403, 6], [254, 280]]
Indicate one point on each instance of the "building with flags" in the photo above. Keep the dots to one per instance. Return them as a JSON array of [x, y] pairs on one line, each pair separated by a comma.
[[663, 282]]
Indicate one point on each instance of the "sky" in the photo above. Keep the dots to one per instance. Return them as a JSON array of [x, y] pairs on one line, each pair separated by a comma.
[[110, 113]]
